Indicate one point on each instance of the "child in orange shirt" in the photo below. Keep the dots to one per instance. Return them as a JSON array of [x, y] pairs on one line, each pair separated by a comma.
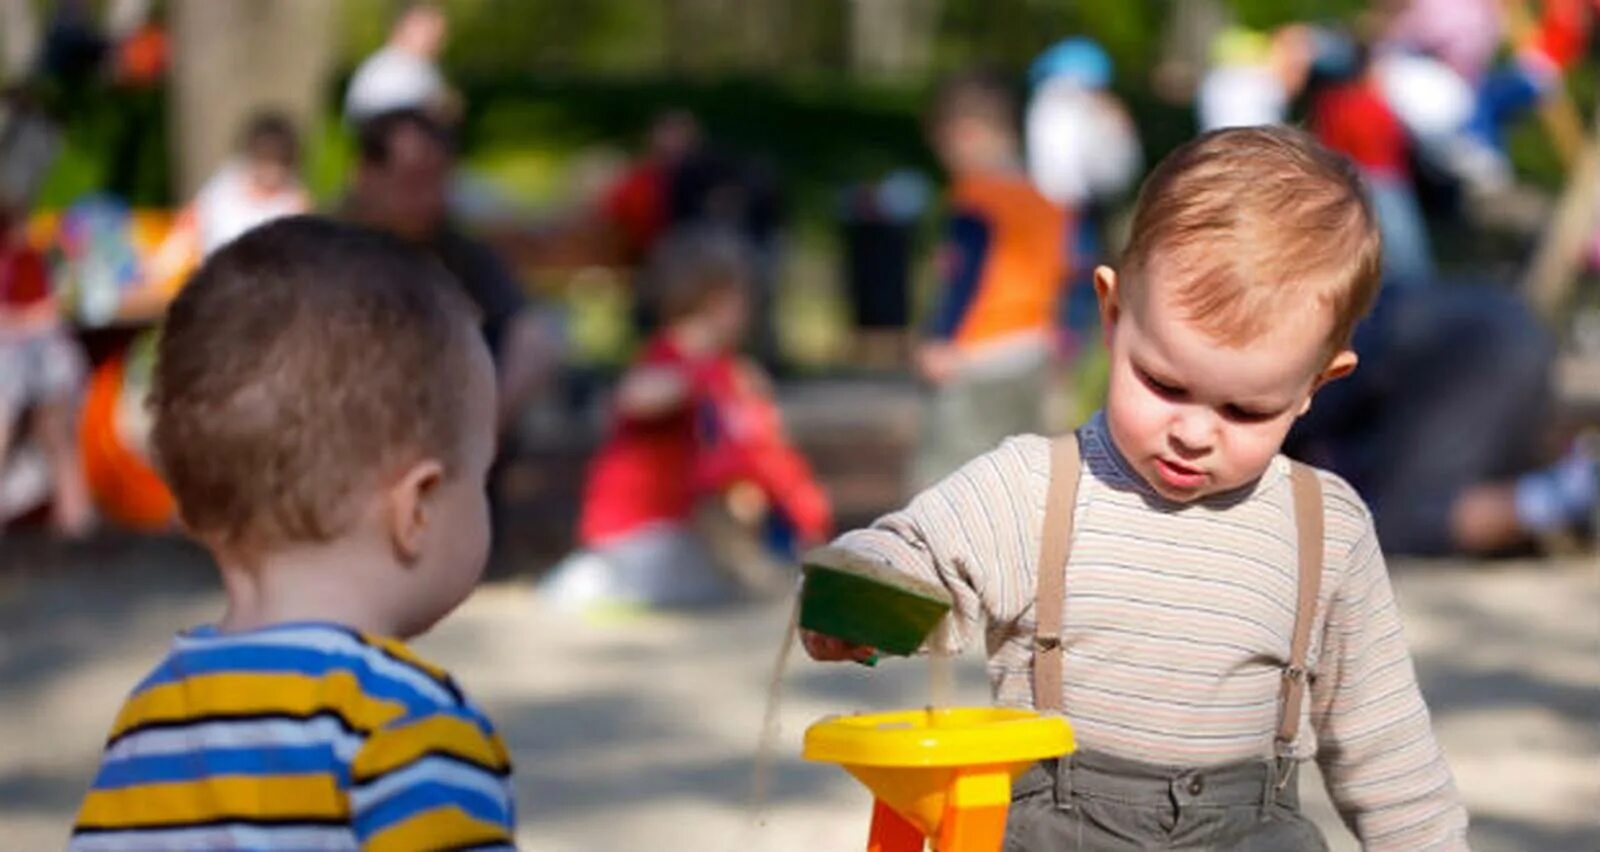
[[986, 353]]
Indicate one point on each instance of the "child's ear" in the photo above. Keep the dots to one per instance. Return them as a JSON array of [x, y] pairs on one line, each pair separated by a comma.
[[1105, 289], [1341, 365], [410, 506]]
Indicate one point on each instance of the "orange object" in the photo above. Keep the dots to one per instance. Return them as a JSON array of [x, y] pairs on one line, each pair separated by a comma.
[[939, 774], [892, 832], [125, 487], [141, 59], [975, 812], [1024, 263]]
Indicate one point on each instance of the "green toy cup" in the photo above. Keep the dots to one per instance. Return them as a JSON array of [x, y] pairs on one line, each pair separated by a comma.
[[860, 601]]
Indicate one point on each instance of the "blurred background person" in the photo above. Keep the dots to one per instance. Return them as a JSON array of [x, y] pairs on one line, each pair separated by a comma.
[[716, 184], [695, 478], [41, 378], [985, 356], [1254, 77], [880, 222], [1450, 428], [402, 186], [1083, 154], [404, 73], [261, 182], [1351, 115], [637, 205]]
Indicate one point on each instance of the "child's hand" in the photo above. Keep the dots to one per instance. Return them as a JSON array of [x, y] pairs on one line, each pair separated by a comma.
[[936, 362], [829, 648], [746, 503]]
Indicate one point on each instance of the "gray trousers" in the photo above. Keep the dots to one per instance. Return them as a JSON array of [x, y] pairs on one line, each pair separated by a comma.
[[971, 416], [1098, 803]]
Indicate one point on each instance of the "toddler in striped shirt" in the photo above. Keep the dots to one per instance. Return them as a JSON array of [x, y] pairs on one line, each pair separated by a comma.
[[324, 413], [1206, 613]]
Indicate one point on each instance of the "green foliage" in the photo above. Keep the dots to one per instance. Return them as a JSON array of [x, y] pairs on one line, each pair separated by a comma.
[[363, 27], [818, 131], [544, 80], [330, 158], [515, 35], [112, 141], [1267, 14]]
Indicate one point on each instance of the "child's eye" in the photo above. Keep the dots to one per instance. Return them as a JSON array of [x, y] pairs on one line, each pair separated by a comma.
[[1160, 387], [1245, 415]]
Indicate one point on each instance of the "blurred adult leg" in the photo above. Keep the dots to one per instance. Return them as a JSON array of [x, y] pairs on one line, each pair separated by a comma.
[[1469, 407]]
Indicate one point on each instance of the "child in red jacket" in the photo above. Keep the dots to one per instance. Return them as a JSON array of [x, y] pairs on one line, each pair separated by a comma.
[[696, 468]]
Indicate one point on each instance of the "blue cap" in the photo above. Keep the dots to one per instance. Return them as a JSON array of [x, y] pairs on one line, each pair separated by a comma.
[[1077, 58]]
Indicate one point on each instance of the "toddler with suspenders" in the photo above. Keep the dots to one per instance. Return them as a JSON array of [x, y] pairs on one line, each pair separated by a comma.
[[1207, 613]]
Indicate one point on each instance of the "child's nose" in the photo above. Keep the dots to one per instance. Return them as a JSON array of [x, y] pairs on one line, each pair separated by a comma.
[[1192, 432]]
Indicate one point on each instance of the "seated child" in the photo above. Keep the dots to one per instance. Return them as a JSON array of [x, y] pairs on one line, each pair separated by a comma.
[[324, 413], [41, 373], [696, 459], [1206, 613]]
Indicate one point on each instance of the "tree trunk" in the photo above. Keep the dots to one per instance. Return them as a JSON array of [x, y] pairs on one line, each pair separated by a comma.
[[1558, 260], [19, 38], [234, 58], [892, 38]]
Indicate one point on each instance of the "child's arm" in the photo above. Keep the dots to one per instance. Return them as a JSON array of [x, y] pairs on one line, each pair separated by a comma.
[[976, 533], [432, 782], [651, 391], [1383, 766], [961, 258]]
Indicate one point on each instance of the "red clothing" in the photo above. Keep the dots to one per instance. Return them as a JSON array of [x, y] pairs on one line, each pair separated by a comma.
[[1353, 119], [655, 470], [749, 443], [142, 56], [637, 205], [24, 281], [1563, 32]]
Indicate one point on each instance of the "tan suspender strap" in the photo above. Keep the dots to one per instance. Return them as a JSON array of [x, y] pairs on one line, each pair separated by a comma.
[[1308, 528], [1049, 604]]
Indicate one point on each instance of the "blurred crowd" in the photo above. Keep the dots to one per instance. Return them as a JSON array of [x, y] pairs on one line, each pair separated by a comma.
[[696, 489]]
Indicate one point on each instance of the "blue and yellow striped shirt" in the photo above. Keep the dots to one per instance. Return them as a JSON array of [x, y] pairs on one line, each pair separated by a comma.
[[304, 736]]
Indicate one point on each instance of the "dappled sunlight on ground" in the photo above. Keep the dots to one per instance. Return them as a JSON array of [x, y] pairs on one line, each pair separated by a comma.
[[639, 731]]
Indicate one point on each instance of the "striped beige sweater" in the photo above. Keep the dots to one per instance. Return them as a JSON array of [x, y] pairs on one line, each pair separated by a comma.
[[1178, 621]]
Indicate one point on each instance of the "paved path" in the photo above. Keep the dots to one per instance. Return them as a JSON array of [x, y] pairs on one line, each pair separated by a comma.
[[639, 734]]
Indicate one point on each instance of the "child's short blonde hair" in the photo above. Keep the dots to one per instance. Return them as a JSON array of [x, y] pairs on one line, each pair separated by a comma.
[[1249, 223]]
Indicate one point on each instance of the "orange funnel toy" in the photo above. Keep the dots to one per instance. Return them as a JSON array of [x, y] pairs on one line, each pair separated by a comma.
[[939, 774]]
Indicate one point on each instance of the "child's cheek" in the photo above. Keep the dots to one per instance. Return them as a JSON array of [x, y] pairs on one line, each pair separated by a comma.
[[1135, 415], [1255, 447]]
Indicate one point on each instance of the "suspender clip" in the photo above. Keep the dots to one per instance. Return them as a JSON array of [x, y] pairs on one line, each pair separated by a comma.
[[1046, 643], [1285, 769]]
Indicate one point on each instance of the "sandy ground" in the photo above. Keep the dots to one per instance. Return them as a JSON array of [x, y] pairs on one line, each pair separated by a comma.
[[640, 733]]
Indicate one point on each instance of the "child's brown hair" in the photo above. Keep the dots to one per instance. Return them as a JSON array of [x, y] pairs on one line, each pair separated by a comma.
[[1250, 221], [693, 266], [270, 137], [977, 94], [303, 364]]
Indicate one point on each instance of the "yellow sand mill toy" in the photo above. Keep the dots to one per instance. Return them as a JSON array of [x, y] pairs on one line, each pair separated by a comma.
[[939, 774]]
